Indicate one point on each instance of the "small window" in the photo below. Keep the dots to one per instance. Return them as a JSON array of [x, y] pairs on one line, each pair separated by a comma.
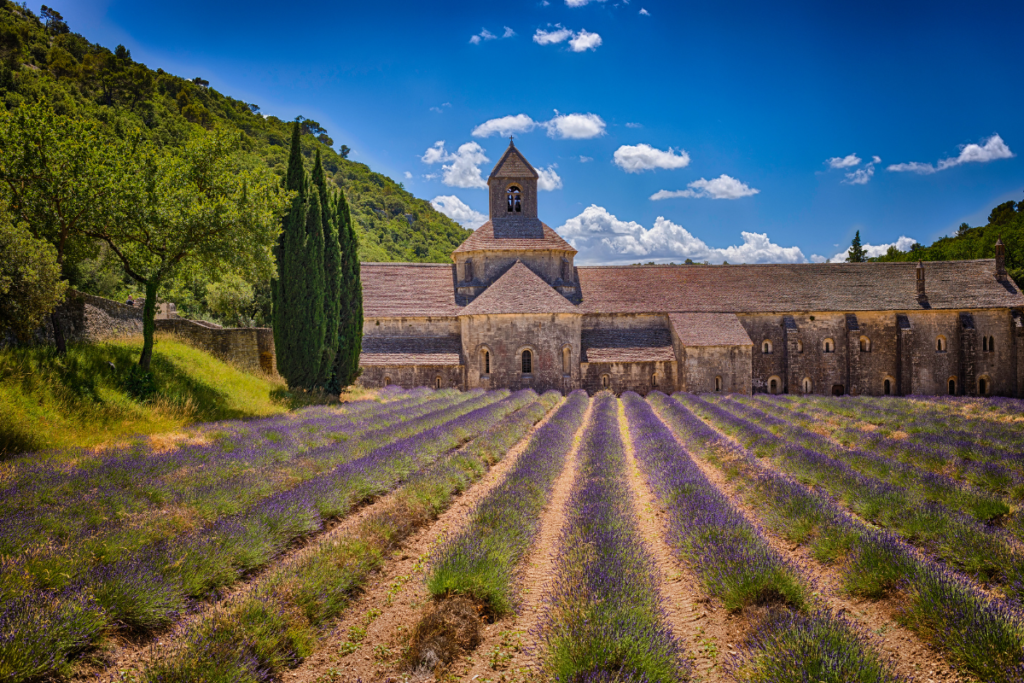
[[982, 387], [799, 346], [606, 381], [387, 381], [766, 346], [940, 345], [887, 387], [515, 199], [527, 362], [952, 387], [806, 385], [566, 360], [654, 379], [988, 343], [437, 382], [485, 362], [468, 270], [718, 384], [828, 346], [984, 343], [865, 345]]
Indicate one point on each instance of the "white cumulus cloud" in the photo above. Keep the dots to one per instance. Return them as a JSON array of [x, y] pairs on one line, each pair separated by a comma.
[[558, 35], [506, 125], [843, 162], [508, 33], [904, 243], [722, 187], [643, 157], [408, 175], [644, 13], [601, 237], [487, 35], [580, 3], [458, 211], [584, 40], [861, 176], [992, 149], [585, 159], [460, 169], [549, 179], [576, 126]]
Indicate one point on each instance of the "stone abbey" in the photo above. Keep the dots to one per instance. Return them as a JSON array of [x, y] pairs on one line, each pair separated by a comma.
[[513, 311]]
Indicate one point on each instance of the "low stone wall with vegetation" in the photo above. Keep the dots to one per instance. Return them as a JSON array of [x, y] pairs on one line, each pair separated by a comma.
[[250, 348]]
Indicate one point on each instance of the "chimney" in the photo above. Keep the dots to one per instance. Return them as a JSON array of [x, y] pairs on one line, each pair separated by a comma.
[[1000, 261], [921, 296]]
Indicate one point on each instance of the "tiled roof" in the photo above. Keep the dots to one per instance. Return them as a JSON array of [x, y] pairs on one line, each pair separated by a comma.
[[513, 164], [519, 290], [709, 329], [626, 345], [410, 350], [483, 239], [799, 287], [393, 290]]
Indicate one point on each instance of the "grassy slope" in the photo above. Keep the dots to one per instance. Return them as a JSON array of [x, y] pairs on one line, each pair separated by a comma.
[[47, 402]]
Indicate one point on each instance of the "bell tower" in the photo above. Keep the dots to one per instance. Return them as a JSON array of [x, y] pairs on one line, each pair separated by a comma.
[[513, 196]]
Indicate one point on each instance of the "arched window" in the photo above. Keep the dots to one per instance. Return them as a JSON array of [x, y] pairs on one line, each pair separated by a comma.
[[887, 387], [654, 379], [984, 343], [718, 384], [799, 346], [515, 199], [437, 382], [940, 345], [485, 362], [806, 385], [606, 381], [983, 386], [566, 361], [865, 345], [988, 343], [828, 346], [527, 362], [387, 381], [468, 270], [773, 386], [766, 346], [952, 386]]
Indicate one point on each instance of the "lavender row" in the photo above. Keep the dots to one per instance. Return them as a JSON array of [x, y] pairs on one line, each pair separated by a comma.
[[737, 565], [481, 560], [981, 634], [931, 486], [273, 629], [605, 618], [37, 558], [978, 550], [150, 588]]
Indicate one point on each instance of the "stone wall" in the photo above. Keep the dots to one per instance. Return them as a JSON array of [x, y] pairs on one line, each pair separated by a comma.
[[701, 366], [641, 377], [249, 348], [411, 327], [410, 376], [91, 319]]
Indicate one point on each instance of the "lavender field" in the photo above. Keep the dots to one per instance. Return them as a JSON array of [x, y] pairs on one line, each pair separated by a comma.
[[516, 536]]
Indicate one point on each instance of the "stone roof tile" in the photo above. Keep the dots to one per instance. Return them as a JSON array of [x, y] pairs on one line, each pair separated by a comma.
[[392, 290], [380, 350], [521, 291], [626, 345], [484, 239], [709, 329], [513, 164]]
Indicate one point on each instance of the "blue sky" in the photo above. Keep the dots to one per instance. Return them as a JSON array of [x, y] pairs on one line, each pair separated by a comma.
[[757, 126]]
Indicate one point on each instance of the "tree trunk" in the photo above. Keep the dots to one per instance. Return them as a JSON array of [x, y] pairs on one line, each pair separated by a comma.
[[58, 333], [148, 324]]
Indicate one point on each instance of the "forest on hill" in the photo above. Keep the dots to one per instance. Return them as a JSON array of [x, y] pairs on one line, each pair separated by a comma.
[[1005, 222], [43, 59]]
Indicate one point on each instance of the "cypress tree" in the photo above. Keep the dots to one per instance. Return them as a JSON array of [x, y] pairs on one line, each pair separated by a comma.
[[311, 332], [332, 274], [286, 288], [858, 254], [346, 366]]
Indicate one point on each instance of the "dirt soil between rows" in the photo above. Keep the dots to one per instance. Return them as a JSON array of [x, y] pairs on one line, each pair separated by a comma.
[[370, 640]]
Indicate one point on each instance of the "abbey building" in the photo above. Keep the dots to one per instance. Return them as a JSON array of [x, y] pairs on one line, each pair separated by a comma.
[[512, 310]]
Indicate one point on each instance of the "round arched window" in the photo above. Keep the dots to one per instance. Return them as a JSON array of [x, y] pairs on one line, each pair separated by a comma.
[[527, 362], [515, 199]]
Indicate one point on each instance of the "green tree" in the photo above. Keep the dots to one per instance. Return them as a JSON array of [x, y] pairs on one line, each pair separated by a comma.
[[346, 366], [1003, 214], [196, 207], [30, 282], [61, 175], [962, 230], [857, 253], [230, 298]]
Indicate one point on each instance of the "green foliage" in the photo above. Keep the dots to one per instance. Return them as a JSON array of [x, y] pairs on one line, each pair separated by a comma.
[[1006, 222], [346, 367], [30, 284], [230, 298], [331, 271], [857, 253]]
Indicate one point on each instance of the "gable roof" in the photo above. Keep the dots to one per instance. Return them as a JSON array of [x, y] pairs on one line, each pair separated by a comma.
[[414, 290], [797, 287], [626, 345], [513, 164], [520, 291], [483, 239], [709, 329]]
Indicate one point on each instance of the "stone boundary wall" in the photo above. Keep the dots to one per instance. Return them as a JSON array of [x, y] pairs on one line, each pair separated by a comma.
[[250, 348], [87, 318]]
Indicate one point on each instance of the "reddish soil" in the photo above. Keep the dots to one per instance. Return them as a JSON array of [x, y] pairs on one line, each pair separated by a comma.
[[370, 639], [908, 655], [708, 632]]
